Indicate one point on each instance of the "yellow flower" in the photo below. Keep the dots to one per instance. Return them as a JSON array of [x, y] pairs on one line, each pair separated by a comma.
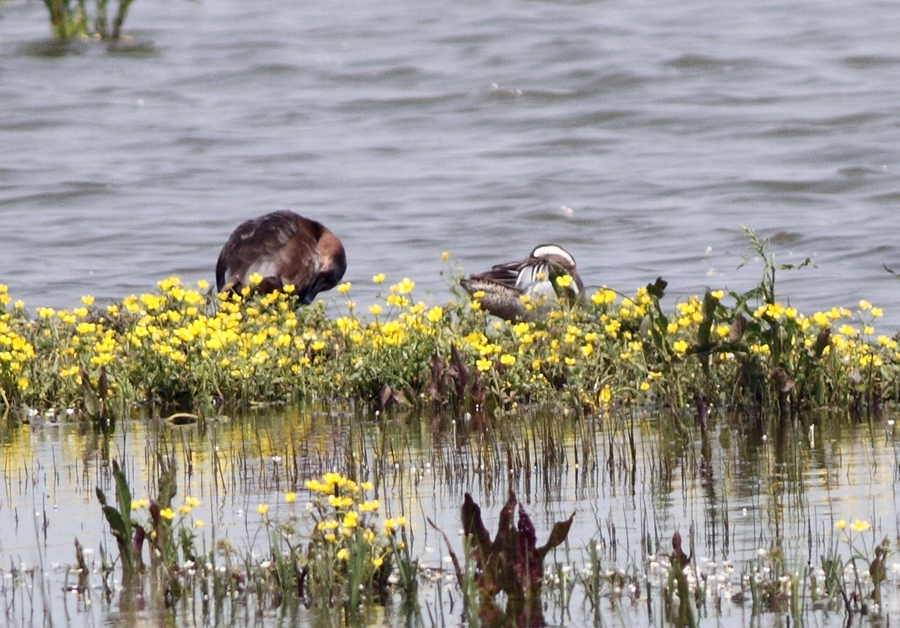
[[375, 309], [262, 509], [256, 279], [717, 294], [344, 288], [444, 257], [404, 287], [87, 299], [865, 305], [483, 364], [290, 497], [343, 553], [877, 312], [198, 523], [841, 524], [605, 396], [507, 359], [377, 562], [680, 347], [860, 526], [377, 279], [203, 284], [564, 281], [167, 513]]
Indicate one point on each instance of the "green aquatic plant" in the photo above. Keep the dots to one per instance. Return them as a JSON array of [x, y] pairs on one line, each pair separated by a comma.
[[70, 19]]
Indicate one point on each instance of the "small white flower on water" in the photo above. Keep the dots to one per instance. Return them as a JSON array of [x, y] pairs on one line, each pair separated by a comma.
[[765, 437], [276, 459], [762, 552], [265, 564], [447, 559], [221, 569], [429, 550], [745, 512], [70, 411], [566, 568], [891, 422], [188, 564]]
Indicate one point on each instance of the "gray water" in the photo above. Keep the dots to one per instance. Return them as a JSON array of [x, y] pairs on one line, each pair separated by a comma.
[[749, 493], [639, 135]]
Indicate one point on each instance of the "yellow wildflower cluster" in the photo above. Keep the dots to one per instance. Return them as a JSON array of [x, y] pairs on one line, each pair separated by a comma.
[[345, 525], [16, 352], [183, 342]]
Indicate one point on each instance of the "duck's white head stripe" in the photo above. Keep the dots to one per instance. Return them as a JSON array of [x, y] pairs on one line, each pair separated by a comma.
[[545, 250]]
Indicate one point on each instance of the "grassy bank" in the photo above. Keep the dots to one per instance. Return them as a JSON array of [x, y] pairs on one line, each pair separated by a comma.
[[185, 345]]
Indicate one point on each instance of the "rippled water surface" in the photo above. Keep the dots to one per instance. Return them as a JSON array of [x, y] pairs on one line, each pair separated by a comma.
[[639, 135]]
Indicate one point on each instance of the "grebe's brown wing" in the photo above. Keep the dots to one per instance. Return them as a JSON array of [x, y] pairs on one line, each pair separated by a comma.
[[257, 246]]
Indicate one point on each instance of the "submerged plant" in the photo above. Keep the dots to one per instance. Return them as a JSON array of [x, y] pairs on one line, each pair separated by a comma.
[[510, 563]]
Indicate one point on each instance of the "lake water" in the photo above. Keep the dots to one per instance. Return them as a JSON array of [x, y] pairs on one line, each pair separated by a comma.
[[639, 135]]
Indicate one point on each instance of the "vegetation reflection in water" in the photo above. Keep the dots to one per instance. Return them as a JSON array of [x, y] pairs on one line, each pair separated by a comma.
[[776, 517]]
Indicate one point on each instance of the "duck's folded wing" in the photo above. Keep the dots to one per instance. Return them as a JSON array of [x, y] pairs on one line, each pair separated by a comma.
[[506, 275]]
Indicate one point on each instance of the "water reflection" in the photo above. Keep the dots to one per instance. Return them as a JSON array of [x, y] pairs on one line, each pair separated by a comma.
[[741, 487]]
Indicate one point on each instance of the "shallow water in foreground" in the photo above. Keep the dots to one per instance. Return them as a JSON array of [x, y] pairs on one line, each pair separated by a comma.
[[749, 490]]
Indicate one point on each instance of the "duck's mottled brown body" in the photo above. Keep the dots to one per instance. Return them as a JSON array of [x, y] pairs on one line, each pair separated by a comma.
[[285, 249], [503, 286]]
